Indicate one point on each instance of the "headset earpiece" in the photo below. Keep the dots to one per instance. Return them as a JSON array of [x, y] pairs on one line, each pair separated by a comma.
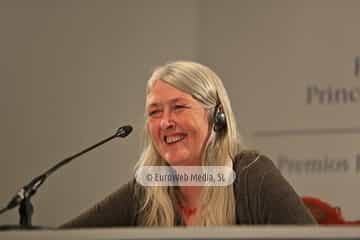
[[219, 119]]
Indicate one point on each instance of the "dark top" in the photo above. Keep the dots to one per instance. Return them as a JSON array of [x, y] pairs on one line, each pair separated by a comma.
[[262, 194]]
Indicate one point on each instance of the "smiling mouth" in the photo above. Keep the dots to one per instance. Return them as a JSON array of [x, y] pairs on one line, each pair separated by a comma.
[[173, 139]]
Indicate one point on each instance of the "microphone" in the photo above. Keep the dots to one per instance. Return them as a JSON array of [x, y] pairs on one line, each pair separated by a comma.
[[22, 197], [124, 131]]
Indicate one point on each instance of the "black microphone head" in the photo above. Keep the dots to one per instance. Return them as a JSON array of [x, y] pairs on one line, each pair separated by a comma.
[[124, 131]]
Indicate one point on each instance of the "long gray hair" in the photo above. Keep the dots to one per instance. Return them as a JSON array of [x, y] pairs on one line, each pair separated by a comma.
[[206, 87]]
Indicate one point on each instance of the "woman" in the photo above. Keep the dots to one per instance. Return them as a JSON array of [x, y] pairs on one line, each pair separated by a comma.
[[189, 122]]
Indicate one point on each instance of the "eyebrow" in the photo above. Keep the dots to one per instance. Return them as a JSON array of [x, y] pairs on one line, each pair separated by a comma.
[[174, 100]]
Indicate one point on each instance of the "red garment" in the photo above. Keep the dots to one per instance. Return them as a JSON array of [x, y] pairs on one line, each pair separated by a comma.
[[324, 213], [187, 212]]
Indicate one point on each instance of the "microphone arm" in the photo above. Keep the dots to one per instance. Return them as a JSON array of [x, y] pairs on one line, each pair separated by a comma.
[[22, 197]]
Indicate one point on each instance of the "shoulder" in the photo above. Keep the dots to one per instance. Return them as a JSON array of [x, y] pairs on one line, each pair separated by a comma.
[[258, 171], [263, 194], [117, 209], [125, 193], [257, 175], [251, 161]]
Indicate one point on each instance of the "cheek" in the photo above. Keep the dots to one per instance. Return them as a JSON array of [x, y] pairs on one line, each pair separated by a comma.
[[200, 125], [153, 127]]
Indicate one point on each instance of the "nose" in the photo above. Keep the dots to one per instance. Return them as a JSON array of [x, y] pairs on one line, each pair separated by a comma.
[[166, 121]]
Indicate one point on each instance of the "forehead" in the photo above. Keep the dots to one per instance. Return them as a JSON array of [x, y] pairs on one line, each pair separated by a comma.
[[162, 92]]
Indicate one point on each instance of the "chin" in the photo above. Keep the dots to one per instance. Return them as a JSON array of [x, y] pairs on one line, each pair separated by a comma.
[[176, 162]]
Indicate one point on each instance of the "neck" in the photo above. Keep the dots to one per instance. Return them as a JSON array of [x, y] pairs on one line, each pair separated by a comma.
[[191, 195]]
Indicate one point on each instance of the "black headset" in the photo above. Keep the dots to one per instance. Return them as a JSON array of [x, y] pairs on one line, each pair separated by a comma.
[[219, 118]]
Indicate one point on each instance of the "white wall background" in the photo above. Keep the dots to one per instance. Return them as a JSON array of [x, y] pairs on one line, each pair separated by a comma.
[[269, 53], [71, 72]]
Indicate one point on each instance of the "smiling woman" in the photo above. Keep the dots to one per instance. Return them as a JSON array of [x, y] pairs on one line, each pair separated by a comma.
[[181, 103], [190, 123]]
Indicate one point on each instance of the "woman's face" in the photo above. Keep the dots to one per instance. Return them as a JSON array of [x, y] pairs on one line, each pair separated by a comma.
[[178, 124]]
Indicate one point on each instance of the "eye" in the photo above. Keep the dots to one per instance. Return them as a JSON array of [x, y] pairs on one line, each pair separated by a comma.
[[180, 106], [154, 113]]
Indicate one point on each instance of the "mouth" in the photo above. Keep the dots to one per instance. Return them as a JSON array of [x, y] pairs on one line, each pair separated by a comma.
[[174, 138]]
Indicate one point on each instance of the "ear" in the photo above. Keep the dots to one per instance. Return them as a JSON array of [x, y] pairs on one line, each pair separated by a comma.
[[219, 118]]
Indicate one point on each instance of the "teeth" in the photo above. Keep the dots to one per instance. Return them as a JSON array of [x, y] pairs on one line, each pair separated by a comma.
[[173, 139]]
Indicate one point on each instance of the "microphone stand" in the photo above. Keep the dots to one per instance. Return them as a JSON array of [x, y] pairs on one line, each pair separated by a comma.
[[23, 196]]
